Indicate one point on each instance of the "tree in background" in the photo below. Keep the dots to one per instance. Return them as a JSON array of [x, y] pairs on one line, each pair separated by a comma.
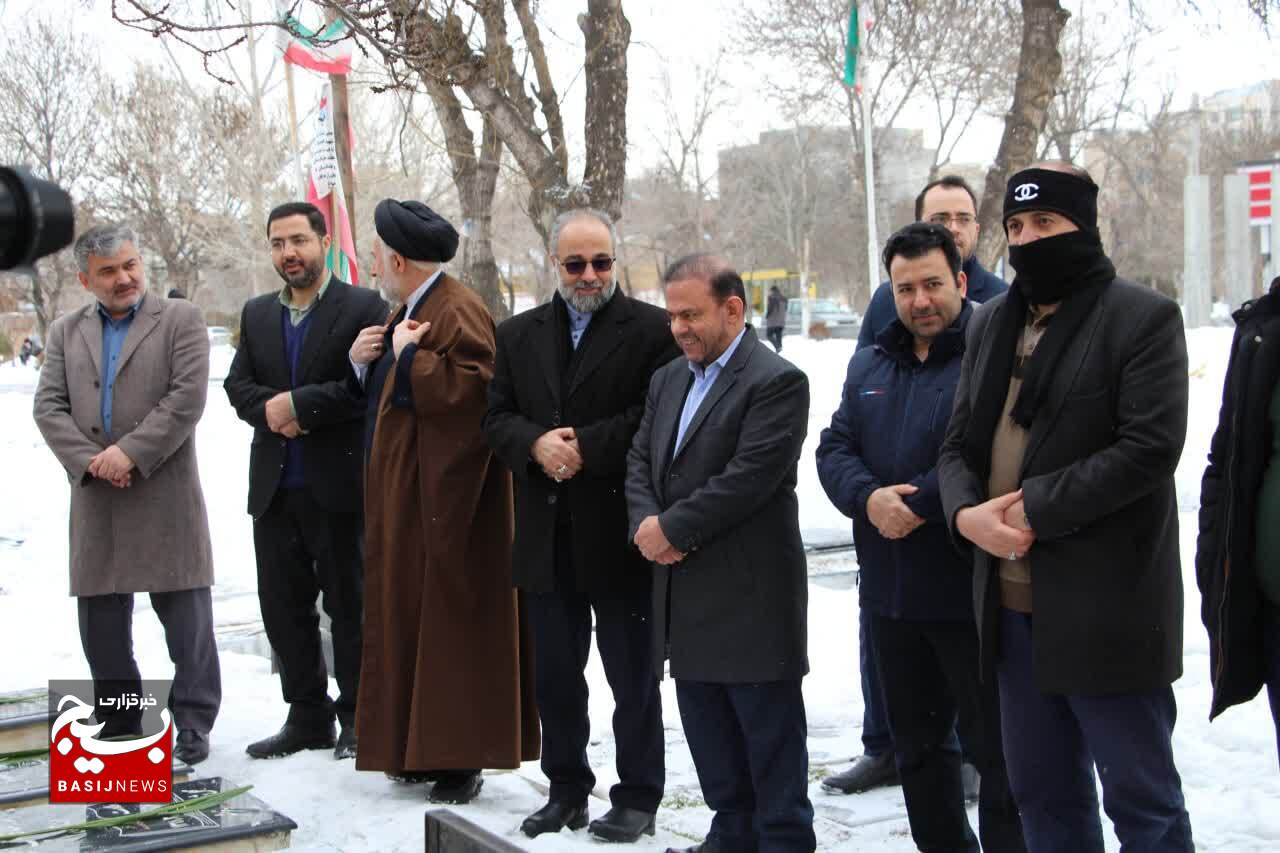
[[54, 93], [187, 207], [464, 57]]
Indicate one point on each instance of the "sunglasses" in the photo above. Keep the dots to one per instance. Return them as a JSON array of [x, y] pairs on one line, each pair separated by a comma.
[[577, 266]]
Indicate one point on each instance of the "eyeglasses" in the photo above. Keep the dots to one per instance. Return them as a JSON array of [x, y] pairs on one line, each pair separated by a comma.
[[945, 219], [577, 266]]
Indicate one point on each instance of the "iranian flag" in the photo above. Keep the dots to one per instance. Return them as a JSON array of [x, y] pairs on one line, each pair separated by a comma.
[[860, 23], [324, 190], [327, 50]]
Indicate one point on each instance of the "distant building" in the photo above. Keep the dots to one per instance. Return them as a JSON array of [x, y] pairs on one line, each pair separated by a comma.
[[1253, 107], [807, 181]]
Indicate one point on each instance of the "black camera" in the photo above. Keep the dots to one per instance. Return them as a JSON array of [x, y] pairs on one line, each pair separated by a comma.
[[36, 218]]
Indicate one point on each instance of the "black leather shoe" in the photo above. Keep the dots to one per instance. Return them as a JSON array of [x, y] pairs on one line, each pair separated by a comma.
[[622, 825], [867, 772], [554, 816], [290, 739], [346, 745], [971, 780], [704, 847], [457, 788], [191, 747]]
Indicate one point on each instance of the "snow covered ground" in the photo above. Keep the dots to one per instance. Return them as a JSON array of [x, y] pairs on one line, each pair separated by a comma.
[[1229, 769]]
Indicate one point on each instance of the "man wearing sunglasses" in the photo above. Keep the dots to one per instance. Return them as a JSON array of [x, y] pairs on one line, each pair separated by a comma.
[[566, 398]]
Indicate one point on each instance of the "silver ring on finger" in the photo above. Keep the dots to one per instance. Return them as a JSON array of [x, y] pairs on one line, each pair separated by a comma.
[[563, 469]]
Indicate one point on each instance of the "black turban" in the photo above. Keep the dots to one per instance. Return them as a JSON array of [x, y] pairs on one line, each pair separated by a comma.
[[415, 231]]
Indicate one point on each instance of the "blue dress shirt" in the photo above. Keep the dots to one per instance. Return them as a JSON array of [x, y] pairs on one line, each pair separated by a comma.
[[113, 335], [578, 322], [703, 379]]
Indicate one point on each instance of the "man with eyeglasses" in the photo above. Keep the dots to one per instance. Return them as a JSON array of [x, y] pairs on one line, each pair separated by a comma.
[[289, 382], [950, 202], [566, 398]]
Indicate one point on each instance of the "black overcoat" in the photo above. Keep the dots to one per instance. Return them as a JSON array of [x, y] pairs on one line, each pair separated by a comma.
[[1226, 568], [1097, 478], [537, 387]]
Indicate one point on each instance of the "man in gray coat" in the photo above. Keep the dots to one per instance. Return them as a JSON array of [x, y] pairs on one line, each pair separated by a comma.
[[123, 387]]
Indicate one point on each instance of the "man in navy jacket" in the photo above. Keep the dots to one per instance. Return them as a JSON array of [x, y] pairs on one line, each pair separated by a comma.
[[877, 462], [950, 202]]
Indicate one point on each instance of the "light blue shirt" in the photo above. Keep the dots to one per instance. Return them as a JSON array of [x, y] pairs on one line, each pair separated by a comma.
[[703, 379], [113, 334], [419, 293], [578, 322]]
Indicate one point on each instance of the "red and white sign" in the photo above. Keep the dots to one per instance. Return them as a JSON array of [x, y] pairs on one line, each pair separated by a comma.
[[1259, 175], [83, 769]]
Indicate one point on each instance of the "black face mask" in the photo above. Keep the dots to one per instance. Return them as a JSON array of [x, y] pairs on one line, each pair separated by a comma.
[[1052, 268]]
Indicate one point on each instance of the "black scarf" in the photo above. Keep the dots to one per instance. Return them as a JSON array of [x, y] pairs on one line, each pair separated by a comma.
[[1068, 268]]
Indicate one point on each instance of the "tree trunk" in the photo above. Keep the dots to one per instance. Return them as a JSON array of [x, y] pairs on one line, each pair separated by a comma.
[[1039, 67], [43, 310], [481, 270], [608, 34]]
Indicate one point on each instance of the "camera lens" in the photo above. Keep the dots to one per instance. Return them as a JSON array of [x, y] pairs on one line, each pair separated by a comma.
[[36, 218]]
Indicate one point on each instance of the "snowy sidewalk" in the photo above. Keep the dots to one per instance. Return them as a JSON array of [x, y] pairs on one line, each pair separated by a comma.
[[1229, 769]]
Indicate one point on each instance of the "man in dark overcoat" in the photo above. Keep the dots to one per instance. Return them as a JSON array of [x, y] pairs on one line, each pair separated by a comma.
[[1057, 475], [566, 398]]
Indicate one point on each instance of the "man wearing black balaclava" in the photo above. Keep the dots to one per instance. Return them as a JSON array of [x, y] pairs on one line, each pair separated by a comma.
[[1057, 475]]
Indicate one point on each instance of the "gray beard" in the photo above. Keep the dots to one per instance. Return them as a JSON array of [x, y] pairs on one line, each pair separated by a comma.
[[586, 304]]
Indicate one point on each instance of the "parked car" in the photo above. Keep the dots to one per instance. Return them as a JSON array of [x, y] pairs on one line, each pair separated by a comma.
[[840, 321], [219, 336]]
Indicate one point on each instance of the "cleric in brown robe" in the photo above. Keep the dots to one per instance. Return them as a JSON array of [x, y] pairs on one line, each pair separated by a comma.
[[446, 686]]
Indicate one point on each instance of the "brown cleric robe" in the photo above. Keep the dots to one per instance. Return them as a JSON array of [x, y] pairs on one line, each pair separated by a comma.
[[446, 677]]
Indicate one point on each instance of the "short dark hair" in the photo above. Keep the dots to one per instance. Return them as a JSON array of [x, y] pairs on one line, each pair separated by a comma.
[[712, 269], [1065, 166], [945, 181], [299, 208], [918, 239]]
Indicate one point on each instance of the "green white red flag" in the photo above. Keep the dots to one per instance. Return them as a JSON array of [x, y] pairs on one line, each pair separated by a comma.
[[324, 190], [860, 23], [326, 49]]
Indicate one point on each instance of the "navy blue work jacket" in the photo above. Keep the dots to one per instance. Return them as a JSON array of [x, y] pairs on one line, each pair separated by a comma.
[[889, 428]]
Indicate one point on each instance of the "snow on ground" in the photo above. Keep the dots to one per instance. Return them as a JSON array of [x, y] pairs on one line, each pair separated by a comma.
[[1229, 769]]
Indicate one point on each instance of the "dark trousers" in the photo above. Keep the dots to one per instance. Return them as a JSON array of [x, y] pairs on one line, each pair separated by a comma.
[[1271, 659], [774, 334], [749, 747], [929, 671], [1052, 743], [106, 634], [304, 550], [561, 624], [876, 737]]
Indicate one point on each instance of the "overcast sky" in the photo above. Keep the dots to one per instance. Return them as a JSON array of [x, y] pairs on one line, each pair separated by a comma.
[[1201, 53]]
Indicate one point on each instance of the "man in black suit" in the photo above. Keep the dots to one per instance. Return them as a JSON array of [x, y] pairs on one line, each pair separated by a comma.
[[289, 381], [566, 397], [711, 492], [1058, 465]]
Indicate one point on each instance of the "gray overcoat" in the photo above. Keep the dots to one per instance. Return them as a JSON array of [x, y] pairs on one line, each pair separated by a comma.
[[154, 535]]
